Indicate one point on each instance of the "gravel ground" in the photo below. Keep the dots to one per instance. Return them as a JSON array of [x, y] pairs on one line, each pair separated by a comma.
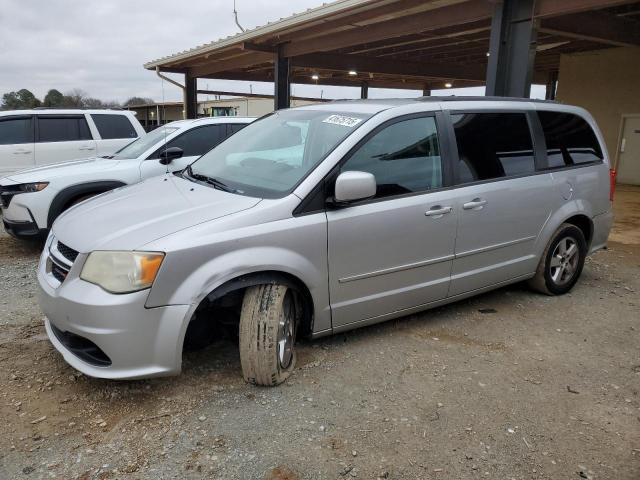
[[508, 385]]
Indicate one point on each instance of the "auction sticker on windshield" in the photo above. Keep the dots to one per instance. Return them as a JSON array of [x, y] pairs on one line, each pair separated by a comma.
[[342, 120]]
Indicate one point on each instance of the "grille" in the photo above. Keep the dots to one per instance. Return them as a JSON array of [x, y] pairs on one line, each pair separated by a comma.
[[58, 272], [7, 193], [67, 252]]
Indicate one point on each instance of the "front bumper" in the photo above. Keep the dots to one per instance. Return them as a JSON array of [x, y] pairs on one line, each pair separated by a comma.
[[27, 230], [110, 336]]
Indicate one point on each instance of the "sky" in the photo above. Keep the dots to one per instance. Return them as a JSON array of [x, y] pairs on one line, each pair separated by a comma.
[[99, 46]]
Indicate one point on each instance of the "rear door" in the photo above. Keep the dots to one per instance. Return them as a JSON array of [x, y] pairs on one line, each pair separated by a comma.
[[114, 132], [16, 143], [393, 252], [194, 143], [60, 138], [502, 202]]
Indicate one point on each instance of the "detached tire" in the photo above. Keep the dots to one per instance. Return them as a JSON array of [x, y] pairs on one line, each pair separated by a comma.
[[562, 261], [268, 324]]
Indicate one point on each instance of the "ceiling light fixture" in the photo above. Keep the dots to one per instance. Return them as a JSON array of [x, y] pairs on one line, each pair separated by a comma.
[[315, 76], [353, 72], [448, 85]]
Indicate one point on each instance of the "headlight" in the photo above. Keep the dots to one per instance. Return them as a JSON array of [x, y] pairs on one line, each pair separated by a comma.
[[122, 272], [33, 187]]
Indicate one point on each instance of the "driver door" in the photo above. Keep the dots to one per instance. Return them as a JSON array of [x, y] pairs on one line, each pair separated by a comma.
[[395, 251], [194, 143]]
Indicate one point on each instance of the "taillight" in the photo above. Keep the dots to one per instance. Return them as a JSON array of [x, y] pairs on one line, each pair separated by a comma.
[[612, 183]]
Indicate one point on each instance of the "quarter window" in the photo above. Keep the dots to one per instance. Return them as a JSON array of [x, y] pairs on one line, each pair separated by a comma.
[[492, 145], [404, 157], [16, 130], [570, 140], [114, 126], [62, 129]]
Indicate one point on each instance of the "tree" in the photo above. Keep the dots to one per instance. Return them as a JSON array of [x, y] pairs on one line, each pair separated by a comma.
[[75, 98], [53, 98], [138, 101], [21, 99]]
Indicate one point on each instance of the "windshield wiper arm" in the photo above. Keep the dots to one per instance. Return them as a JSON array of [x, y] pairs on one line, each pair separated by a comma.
[[210, 180]]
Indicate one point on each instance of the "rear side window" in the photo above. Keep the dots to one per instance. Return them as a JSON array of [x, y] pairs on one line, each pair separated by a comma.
[[234, 127], [404, 157], [62, 129], [197, 141], [492, 145], [570, 140], [114, 126], [16, 130]]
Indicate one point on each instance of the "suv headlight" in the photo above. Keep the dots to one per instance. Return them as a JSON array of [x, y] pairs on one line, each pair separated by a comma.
[[122, 272], [33, 187]]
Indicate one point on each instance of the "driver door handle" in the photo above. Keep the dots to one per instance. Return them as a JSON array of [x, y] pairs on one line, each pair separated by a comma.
[[86, 147], [475, 204], [437, 211]]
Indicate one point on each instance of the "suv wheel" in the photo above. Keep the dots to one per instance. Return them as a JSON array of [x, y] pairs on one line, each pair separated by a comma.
[[562, 261], [268, 324]]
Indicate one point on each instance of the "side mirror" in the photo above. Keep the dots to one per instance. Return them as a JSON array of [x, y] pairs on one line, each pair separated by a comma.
[[168, 155], [352, 186]]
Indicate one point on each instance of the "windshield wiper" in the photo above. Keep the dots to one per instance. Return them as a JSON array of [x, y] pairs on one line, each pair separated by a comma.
[[210, 180]]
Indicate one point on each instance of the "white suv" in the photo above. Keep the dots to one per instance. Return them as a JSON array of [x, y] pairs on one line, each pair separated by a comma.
[[31, 200], [42, 136]]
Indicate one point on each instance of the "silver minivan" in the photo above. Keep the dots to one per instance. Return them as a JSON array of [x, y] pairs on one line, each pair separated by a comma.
[[321, 219]]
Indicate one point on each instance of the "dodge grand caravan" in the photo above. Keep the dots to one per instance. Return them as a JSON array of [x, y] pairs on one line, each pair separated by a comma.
[[325, 218]]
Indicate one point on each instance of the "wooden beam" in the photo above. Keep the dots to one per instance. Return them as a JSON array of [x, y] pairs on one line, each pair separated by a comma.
[[596, 27], [245, 60], [255, 47], [255, 95], [462, 13], [364, 64], [554, 8]]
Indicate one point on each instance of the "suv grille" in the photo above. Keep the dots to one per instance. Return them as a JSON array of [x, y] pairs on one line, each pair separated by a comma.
[[7, 193], [67, 252]]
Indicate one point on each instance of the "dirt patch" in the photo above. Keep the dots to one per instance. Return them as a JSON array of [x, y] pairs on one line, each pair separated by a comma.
[[484, 388]]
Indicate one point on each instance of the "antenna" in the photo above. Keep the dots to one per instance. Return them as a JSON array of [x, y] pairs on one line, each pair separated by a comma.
[[235, 15]]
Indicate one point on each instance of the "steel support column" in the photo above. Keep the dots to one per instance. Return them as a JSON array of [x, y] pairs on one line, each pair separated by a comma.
[[364, 90], [281, 82], [512, 49], [190, 96]]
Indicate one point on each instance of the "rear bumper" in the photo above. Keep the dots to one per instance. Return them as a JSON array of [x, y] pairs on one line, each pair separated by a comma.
[[601, 227]]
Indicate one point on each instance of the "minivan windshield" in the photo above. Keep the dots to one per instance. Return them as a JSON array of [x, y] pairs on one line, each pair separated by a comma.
[[144, 143], [269, 157]]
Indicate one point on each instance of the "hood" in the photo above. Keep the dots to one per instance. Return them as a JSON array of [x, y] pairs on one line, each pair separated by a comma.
[[48, 173], [129, 217]]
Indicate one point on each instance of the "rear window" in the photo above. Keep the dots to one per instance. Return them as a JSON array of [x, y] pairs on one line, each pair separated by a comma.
[[492, 145], [114, 126], [62, 129], [570, 140], [16, 130]]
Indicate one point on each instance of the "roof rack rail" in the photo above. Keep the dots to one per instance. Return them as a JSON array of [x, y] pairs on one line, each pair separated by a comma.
[[76, 108]]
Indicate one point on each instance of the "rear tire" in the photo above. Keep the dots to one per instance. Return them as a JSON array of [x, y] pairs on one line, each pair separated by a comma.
[[268, 324], [562, 261]]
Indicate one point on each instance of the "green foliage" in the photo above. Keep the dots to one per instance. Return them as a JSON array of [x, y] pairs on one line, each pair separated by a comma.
[[138, 101], [53, 98], [21, 99]]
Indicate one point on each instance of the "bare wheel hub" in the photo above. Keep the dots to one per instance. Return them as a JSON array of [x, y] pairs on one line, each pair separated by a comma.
[[287, 331]]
